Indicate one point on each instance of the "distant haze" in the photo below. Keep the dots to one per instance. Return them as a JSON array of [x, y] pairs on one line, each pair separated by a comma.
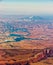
[[26, 7]]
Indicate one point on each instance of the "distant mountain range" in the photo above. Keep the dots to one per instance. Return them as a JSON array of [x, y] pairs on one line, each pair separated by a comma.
[[33, 18], [27, 17]]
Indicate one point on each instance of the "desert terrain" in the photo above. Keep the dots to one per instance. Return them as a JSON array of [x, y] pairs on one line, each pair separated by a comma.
[[26, 40]]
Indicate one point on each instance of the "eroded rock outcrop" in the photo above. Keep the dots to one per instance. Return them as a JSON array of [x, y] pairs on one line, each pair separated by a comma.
[[48, 52]]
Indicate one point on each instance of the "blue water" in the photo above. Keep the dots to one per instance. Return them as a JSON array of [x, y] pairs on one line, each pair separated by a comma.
[[21, 37], [15, 35]]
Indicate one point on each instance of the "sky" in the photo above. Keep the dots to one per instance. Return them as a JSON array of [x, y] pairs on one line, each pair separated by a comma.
[[26, 7]]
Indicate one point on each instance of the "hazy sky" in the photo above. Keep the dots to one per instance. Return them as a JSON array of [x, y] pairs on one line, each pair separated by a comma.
[[26, 7]]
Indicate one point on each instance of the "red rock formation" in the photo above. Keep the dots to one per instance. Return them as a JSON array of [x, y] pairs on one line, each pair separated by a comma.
[[38, 57]]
